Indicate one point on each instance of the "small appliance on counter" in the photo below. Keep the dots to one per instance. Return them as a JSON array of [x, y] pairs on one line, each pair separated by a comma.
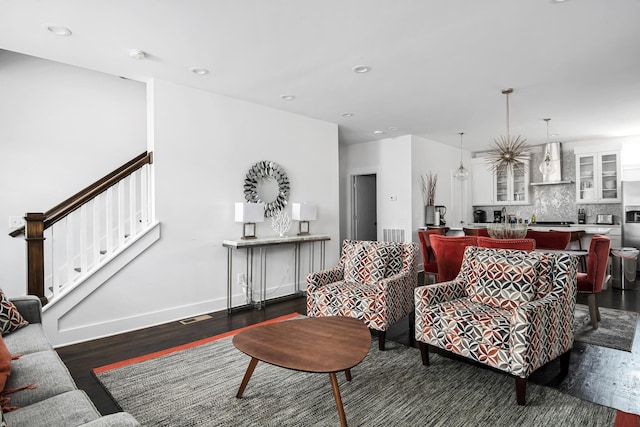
[[497, 216], [479, 216], [582, 216], [441, 210], [604, 219]]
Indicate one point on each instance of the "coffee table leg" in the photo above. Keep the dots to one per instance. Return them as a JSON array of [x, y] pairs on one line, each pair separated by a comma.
[[347, 374], [247, 376], [336, 394]]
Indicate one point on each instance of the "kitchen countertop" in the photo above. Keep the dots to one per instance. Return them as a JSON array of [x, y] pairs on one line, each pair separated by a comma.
[[588, 228]]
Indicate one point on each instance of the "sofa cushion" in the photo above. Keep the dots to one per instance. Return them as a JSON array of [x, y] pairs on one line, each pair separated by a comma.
[[10, 317], [69, 409], [45, 371], [28, 339], [503, 278], [366, 263]]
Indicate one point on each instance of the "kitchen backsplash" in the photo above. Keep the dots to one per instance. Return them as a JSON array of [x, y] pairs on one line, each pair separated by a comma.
[[556, 202]]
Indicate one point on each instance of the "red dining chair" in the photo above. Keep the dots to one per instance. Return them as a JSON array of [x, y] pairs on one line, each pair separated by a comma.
[[475, 232], [520, 244], [592, 281], [428, 257], [449, 252], [554, 240]]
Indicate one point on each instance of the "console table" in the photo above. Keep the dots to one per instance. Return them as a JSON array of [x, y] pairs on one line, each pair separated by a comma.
[[263, 244]]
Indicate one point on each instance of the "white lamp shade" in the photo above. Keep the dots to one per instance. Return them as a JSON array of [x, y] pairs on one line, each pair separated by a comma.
[[249, 212], [303, 211]]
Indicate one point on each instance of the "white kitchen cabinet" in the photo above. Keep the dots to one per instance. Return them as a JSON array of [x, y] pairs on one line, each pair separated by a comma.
[[502, 188], [598, 177], [482, 186]]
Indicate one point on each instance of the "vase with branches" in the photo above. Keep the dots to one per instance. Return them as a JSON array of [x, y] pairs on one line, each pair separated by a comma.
[[429, 182]]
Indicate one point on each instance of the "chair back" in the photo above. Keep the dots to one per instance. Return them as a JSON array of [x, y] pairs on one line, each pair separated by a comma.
[[554, 240], [597, 261], [428, 257], [520, 244], [449, 251], [576, 239], [475, 232]]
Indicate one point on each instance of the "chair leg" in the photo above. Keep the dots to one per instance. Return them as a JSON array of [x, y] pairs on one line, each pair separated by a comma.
[[593, 310], [424, 353], [565, 358], [412, 328], [521, 390], [381, 338]]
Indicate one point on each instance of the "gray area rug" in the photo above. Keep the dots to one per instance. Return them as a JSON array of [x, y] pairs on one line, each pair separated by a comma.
[[197, 387], [616, 328]]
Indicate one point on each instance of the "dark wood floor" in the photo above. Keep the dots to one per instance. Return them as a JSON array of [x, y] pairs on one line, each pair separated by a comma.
[[597, 374]]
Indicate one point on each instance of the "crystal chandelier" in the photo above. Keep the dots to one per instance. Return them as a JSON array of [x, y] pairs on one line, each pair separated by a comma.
[[508, 153], [461, 173]]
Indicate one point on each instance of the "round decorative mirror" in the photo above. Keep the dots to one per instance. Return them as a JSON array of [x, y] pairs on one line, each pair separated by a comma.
[[267, 183]]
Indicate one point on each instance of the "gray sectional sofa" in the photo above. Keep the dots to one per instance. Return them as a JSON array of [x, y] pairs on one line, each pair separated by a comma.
[[56, 401]]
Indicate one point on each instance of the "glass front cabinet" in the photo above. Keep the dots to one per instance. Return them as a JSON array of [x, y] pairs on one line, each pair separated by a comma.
[[598, 177], [503, 188]]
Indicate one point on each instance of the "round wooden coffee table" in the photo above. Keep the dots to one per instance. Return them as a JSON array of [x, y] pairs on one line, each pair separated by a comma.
[[315, 344]]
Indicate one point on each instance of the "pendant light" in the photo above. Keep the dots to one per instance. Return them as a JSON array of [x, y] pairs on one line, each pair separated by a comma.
[[508, 153], [548, 166], [461, 173]]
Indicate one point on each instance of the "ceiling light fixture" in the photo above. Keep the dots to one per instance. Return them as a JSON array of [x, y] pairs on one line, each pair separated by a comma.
[[508, 153], [392, 128], [548, 166], [378, 132], [347, 114], [137, 54], [199, 71], [361, 69], [461, 173], [59, 31], [288, 97]]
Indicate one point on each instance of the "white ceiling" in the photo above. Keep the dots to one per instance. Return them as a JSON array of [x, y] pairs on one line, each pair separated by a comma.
[[437, 67]]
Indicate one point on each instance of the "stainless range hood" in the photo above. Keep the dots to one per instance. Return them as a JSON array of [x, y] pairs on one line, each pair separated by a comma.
[[552, 157]]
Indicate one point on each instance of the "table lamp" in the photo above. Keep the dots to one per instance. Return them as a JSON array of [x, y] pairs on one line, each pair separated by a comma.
[[303, 212], [249, 214]]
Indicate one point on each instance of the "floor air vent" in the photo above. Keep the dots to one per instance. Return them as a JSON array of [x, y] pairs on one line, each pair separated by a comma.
[[393, 235], [195, 319]]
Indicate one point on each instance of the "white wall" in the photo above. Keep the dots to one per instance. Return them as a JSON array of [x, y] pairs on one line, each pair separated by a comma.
[[398, 163], [61, 128], [203, 146], [388, 159], [428, 155]]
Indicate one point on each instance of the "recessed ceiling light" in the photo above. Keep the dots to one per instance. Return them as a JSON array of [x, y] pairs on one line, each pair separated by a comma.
[[360, 69], [378, 132], [553, 135], [58, 30], [199, 71], [136, 54], [347, 114], [288, 97], [393, 128]]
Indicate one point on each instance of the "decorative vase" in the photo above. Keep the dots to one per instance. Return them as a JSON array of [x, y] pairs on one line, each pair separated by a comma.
[[429, 215]]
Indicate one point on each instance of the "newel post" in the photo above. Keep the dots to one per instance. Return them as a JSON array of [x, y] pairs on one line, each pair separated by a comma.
[[35, 254]]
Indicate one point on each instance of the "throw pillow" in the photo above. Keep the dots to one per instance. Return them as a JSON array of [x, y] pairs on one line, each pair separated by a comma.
[[5, 364], [501, 279], [10, 317]]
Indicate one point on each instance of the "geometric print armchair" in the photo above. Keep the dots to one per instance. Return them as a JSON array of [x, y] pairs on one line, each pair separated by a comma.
[[373, 281], [508, 309]]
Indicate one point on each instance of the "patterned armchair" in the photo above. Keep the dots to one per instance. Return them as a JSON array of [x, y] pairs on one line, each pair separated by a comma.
[[373, 281], [511, 310]]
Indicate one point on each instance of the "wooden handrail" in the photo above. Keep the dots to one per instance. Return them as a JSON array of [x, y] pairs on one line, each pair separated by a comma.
[[61, 210], [37, 222]]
